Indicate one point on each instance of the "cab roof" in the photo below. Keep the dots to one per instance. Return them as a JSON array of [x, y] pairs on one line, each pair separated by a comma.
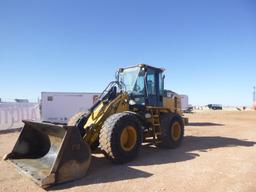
[[145, 66]]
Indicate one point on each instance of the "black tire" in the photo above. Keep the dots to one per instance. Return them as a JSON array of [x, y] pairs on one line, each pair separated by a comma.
[[79, 120], [172, 130], [111, 136]]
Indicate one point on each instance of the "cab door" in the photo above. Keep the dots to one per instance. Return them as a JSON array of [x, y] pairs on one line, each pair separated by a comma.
[[153, 84]]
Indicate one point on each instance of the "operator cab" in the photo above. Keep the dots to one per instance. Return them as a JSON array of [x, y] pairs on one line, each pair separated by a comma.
[[143, 83]]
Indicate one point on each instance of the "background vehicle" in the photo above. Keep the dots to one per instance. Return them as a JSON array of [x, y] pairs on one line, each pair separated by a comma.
[[215, 106]]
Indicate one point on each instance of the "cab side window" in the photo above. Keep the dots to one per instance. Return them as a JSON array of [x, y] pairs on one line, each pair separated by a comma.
[[151, 83], [161, 84]]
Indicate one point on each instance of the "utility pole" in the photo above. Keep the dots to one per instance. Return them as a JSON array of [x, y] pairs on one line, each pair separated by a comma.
[[254, 93], [254, 98]]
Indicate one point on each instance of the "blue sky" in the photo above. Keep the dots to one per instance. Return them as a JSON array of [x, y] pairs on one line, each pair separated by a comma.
[[208, 48]]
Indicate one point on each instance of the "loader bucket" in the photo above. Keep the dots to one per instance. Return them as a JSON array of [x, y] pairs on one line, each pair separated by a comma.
[[50, 154]]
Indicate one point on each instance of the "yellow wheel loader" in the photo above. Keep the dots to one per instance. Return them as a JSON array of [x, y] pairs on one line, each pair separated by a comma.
[[133, 109]]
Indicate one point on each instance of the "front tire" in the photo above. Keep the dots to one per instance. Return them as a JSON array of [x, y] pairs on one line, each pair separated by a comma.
[[79, 120], [121, 137]]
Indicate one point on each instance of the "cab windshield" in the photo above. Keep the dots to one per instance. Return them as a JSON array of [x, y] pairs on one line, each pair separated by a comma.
[[132, 80]]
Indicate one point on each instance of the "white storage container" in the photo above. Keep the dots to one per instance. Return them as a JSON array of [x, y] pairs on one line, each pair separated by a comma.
[[58, 107]]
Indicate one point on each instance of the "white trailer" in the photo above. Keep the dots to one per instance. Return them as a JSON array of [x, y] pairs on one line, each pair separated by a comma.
[[185, 106], [58, 107]]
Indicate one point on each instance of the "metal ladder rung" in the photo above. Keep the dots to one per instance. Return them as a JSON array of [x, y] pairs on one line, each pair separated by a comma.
[[155, 121]]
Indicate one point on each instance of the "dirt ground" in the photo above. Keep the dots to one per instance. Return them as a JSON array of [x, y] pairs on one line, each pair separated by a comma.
[[218, 154]]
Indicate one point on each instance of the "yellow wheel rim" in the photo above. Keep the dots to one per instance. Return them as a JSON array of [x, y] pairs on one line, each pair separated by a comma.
[[176, 131], [128, 138]]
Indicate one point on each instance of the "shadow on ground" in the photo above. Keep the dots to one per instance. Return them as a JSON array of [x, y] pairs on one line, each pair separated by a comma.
[[103, 171], [6, 131], [205, 124]]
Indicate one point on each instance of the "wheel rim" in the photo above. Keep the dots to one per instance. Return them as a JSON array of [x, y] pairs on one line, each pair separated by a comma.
[[176, 131], [128, 138]]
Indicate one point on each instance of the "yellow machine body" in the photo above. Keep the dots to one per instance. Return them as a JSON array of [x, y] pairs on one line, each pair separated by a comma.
[[50, 153]]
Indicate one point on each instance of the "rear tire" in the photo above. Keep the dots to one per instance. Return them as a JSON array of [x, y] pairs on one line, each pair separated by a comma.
[[172, 130], [121, 137]]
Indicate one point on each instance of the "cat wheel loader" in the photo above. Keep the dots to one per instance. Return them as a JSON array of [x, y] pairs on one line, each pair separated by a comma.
[[133, 109]]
